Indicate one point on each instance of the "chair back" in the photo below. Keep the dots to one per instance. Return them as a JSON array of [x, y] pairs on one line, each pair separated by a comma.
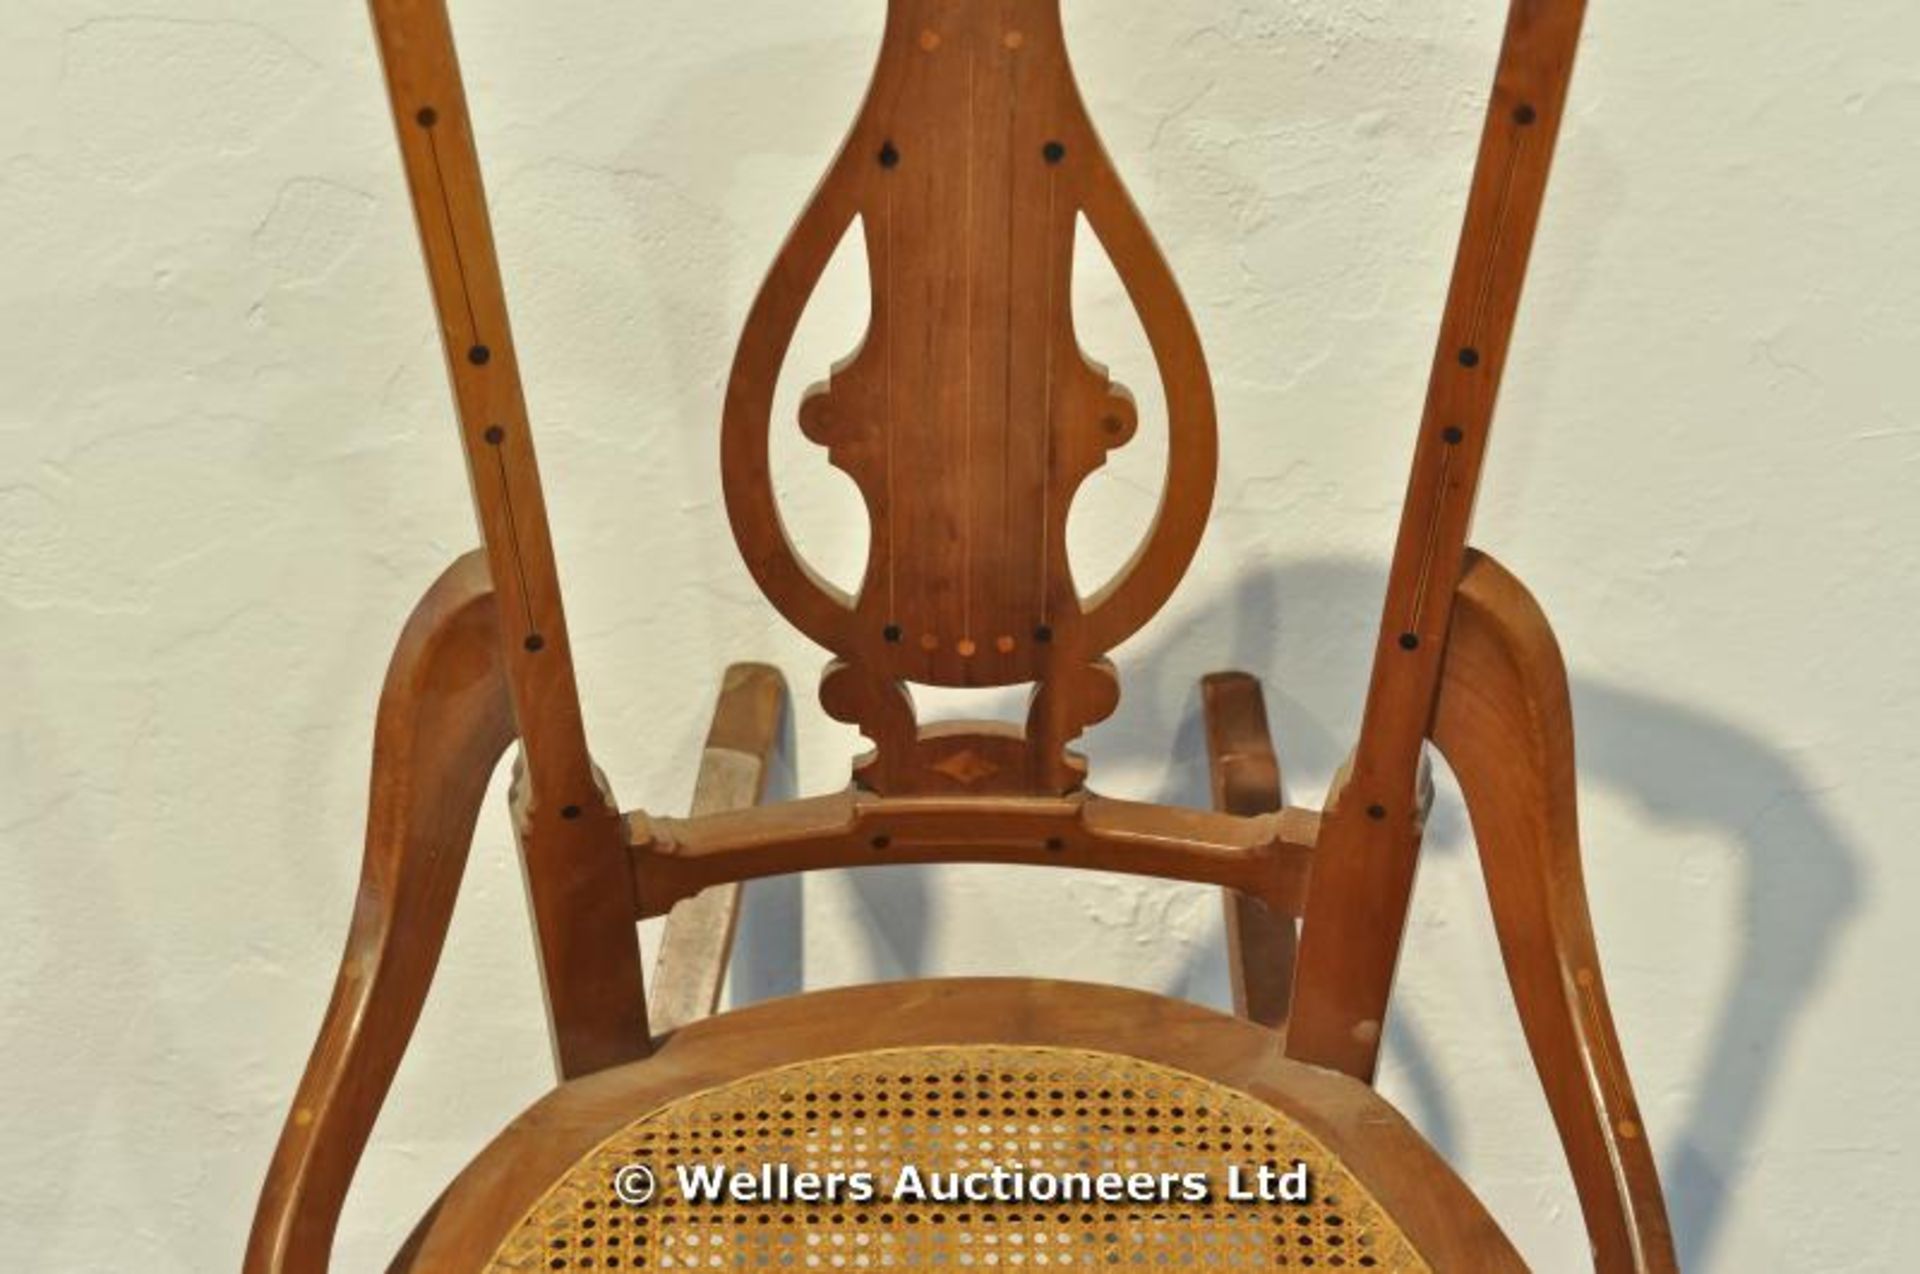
[[969, 416]]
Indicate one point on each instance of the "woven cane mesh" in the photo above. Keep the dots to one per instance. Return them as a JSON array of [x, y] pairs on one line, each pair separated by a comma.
[[959, 1109]]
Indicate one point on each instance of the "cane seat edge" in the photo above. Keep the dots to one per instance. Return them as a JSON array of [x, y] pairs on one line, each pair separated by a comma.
[[1398, 1172]]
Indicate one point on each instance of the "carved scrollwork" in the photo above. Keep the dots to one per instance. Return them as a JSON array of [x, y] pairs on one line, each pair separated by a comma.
[[969, 416]]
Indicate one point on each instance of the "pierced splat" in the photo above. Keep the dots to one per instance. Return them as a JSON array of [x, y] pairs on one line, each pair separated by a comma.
[[969, 416]]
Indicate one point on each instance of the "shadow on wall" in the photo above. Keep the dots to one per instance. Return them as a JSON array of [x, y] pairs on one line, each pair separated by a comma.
[[1801, 880]]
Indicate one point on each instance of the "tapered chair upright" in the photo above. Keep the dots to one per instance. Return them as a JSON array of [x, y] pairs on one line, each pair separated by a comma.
[[968, 417]]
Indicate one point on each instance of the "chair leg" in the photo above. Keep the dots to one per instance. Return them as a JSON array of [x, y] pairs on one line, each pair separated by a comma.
[[444, 722], [735, 767], [1504, 723], [1245, 775]]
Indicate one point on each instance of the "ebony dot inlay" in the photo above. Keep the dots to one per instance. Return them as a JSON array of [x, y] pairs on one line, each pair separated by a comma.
[[1054, 152], [479, 356]]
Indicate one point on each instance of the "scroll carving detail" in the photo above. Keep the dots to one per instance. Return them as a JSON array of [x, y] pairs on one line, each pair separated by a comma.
[[969, 416]]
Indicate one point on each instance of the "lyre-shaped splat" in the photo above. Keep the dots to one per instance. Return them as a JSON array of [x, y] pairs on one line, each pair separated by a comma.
[[969, 416]]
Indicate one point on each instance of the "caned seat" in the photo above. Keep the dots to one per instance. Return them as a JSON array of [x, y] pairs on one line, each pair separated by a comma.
[[1049, 1079], [969, 417]]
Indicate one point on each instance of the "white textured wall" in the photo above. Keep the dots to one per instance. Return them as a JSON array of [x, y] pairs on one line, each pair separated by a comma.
[[227, 468]]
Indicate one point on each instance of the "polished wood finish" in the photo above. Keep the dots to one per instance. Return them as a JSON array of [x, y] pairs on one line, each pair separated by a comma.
[[1505, 725], [1449, 1226], [735, 766], [572, 837], [969, 416], [1266, 857], [444, 722], [1244, 772], [1350, 937]]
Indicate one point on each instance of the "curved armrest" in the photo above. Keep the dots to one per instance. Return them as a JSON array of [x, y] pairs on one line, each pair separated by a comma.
[[1505, 724], [444, 721]]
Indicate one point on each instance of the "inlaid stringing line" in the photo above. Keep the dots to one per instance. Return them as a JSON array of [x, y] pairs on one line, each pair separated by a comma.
[[1499, 234], [1609, 1067], [893, 504], [428, 117], [513, 542], [890, 160], [968, 496], [1425, 579], [1046, 436], [1006, 425]]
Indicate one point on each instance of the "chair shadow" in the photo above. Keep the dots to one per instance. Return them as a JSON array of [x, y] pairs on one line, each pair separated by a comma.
[[768, 954], [1801, 879]]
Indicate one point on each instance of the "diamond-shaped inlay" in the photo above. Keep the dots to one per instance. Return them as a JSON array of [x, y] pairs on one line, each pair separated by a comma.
[[967, 767]]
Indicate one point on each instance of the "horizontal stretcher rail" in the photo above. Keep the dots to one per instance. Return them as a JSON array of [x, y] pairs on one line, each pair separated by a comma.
[[1267, 856]]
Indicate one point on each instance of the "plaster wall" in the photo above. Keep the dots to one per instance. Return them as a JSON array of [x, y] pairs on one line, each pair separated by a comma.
[[227, 468]]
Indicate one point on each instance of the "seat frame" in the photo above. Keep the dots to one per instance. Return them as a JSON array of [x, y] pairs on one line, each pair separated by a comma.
[[1316, 900], [1440, 1217]]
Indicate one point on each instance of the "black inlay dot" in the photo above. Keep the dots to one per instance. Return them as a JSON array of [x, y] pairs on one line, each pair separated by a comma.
[[891, 632], [479, 356], [1055, 844], [1469, 357], [1524, 114], [1376, 812], [496, 435], [427, 117], [1454, 435], [535, 642], [1409, 641], [881, 842], [889, 155], [1054, 152], [1044, 633], [570, 812]]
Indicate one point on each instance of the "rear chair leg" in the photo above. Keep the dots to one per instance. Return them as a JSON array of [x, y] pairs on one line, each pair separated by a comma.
[[735, 767], [1245, 774], [1505, 724], [443, 724]]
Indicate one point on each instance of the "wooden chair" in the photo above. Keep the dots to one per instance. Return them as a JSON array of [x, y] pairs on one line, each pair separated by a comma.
[[968, 418]]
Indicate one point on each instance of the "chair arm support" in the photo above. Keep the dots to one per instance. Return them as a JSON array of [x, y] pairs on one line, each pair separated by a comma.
[[736, 767], [1244, 769], [444, 721], [1504, 722]]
